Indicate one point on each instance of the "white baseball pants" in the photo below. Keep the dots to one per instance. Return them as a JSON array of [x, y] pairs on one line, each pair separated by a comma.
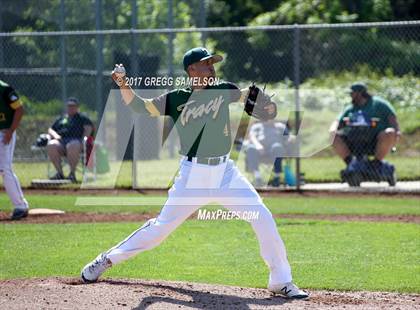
[[10, 181], [197, 185]]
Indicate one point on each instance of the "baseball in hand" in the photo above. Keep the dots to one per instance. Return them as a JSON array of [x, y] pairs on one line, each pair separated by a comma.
[[119, 70]]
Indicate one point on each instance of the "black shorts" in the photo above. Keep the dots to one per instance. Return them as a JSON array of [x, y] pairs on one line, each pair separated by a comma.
[[361, 142]]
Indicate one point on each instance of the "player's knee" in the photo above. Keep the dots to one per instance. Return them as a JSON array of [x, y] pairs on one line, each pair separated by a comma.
[[391, 132], [388, 134], [149, 223], [53, 146], [73, 147], [158, 229], [53, 143], [155, 233], [337, 140]]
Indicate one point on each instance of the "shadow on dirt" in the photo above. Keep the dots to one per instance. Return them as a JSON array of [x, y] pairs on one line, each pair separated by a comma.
[[198, 299]]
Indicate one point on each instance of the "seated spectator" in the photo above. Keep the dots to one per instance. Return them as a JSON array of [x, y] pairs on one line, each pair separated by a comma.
[[368, 127], [266, 143], [67, 134]]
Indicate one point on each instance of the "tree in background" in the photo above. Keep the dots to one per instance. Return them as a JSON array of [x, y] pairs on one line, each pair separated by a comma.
[[44, 51], [253, 55], [267, 56]]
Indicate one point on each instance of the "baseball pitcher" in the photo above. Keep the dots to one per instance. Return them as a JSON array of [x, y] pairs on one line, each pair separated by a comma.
[[11, 112], [201, 116]]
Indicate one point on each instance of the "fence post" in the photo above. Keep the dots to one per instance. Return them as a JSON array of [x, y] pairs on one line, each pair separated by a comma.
[[63, 54], [2, 39], [203, 21], [134, 64], [170, 37], [99, 57], [296, 82], [170, 142]]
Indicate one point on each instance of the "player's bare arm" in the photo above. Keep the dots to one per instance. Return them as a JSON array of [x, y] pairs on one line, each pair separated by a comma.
[[15, 124], [54, 134], [392, 119], [87, 130], [333, 128], [118, 75], [127, 93]]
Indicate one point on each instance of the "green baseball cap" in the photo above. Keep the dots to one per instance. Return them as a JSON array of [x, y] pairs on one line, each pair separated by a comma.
[[358, 87], [198, 54]]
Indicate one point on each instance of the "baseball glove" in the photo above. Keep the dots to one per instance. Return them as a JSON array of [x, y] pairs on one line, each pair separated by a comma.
[[259, 105], [42, 140]]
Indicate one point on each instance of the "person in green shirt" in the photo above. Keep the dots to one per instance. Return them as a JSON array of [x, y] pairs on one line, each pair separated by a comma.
[[368, 127]]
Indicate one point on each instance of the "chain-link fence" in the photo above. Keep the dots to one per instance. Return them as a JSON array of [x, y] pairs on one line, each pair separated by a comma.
[[310, 68]]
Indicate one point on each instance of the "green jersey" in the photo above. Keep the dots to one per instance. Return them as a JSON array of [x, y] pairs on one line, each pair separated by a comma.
[[201, 117], [374, 114], [9, 102]]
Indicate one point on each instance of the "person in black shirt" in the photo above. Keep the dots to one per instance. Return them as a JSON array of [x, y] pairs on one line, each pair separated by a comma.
[[67, 134]]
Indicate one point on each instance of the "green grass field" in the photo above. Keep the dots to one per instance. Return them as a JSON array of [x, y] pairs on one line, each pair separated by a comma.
[[159, 173], [323, 254]]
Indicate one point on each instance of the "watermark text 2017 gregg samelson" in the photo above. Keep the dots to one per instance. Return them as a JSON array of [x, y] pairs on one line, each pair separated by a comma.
[[168, 81]]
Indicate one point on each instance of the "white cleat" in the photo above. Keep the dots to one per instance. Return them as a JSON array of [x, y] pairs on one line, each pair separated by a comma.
[[288, 290], [92, 271]]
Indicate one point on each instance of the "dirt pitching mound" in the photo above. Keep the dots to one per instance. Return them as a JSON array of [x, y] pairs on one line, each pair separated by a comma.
[[68, 293]]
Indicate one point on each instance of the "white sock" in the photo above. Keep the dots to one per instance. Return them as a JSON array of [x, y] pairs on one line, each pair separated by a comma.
[[257, 174]]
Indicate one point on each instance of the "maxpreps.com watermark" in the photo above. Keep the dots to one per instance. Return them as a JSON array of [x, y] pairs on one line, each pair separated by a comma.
[[207, 215]]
